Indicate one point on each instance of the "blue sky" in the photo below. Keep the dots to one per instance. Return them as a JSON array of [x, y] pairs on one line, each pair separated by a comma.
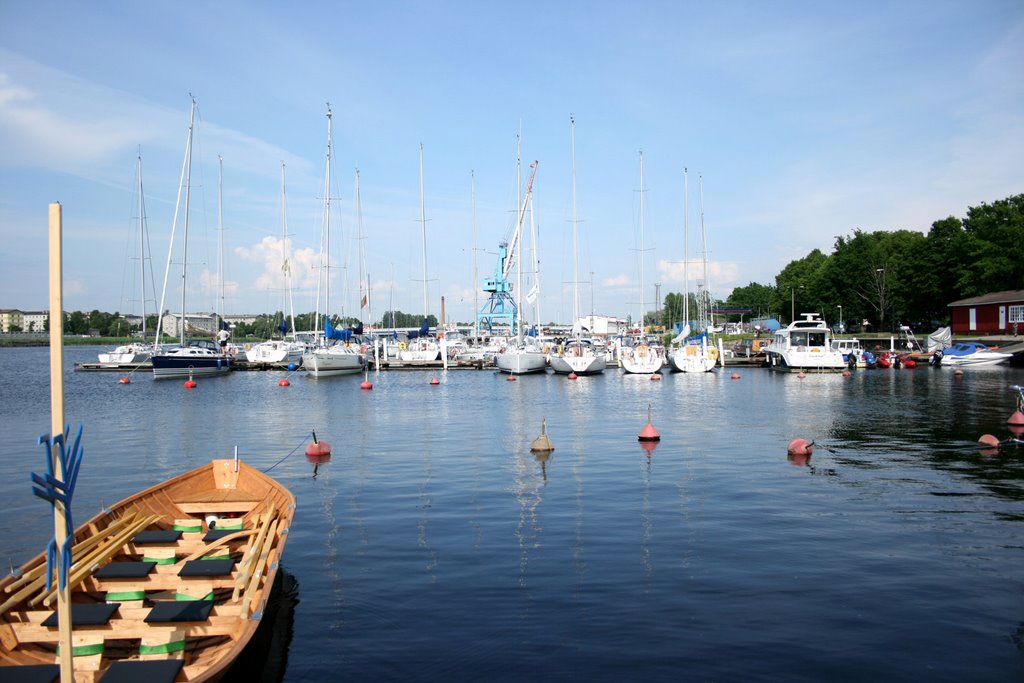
[[805, 120]]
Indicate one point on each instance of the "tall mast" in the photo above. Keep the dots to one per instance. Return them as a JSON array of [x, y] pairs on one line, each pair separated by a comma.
[[641, 242], [188, 194], [476, 286], [705, 301], [220, 244], [286, 266], [535, 290], [364, 284], [686, 250], [423, 233], [575, 238], [327, 216], [142, 243]]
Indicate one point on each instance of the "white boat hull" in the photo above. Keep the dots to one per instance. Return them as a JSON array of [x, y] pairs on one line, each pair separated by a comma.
[[976, 359], [586, 364], [275, 353], [643, 359], [334, 360], [129, 354], [521, 361]]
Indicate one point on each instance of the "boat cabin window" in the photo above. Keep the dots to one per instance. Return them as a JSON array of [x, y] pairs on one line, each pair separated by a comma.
[[803, 338]]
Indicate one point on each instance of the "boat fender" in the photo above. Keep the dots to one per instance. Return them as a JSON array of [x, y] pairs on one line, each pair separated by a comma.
[[401, 346]]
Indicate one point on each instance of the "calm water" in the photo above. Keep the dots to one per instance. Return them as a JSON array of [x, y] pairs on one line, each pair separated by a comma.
[[435, 546]]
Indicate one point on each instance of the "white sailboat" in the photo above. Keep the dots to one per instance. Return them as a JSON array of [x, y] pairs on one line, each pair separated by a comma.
[[135, 353], [522, 356], [421, 347], [335, 354], [287, 350], [692, 355], [193, 357], [577, 355], [642, 354]]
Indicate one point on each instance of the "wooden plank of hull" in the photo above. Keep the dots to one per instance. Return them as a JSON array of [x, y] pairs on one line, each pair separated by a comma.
[[211, 489]]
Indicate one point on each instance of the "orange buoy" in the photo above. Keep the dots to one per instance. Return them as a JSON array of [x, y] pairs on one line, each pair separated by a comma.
[[656, 377], [434, 380], [190, 383], [572, 375], [734, 375], [124, 380], [649, 433], [284, 382], [800, 447]]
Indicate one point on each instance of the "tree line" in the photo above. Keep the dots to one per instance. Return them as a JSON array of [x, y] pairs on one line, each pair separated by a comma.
[[894, 277]]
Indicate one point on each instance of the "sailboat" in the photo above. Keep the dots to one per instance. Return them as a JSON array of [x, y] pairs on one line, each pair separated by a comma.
[[522, 356], [421, 347], [135, 353], [335, 353], [193, 357], [696, 354], [642, 354], [285, 351], [577, 355]]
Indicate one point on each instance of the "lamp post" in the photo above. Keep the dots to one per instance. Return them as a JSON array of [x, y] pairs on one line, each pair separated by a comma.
[[840, 307], [792, 302]]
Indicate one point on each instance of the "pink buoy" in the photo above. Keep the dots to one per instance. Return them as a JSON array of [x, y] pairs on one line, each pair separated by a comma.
[[366, 385], [847, 373], [1016, 420], [656, 377], [800, 447], [124, 380], [284, 382], [649, 433], [434, 381], [572, 375], [989, 440], [734, 375], [510, 378], [801, 374]]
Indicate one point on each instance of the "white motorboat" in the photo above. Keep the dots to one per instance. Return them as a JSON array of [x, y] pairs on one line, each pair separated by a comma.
[[805, 345], [127, 354], [973, 354]]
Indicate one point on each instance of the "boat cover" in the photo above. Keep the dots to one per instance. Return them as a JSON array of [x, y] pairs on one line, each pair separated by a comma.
[[941, 338]]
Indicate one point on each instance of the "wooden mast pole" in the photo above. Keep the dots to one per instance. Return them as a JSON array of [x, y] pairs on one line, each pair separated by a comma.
[[57, 427]]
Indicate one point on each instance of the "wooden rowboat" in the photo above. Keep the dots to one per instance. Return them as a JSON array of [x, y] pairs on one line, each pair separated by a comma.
[[168, 585]]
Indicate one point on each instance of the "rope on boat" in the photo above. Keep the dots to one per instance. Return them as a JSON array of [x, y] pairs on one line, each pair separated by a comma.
[[290, 453]]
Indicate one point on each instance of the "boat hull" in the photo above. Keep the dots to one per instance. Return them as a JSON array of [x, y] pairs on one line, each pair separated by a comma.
[[333, 361], [175, 367], [520, 362], [222, 490], [275, 353], [579, 365]]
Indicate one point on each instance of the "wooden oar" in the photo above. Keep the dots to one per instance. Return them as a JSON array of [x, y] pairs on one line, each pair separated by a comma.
[[252, 552], [99, 555], [219, 542], [254, 578]]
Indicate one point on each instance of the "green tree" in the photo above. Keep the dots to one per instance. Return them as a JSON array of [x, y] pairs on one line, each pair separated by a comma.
[[995, 247]]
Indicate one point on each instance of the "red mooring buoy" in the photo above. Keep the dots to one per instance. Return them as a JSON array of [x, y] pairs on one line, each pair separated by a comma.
[[800, 447], [989, 440], [284, 382], [124, 380], [656, 377], [318, 449], [434, 381], [366, 385], [734, 375], [847, 373], [572, 375], [510, 378], [1016, 419], [649, 433], [801, 374], [190, 383]]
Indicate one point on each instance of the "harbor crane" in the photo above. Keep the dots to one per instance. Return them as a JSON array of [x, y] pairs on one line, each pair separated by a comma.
[[500, 304]]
